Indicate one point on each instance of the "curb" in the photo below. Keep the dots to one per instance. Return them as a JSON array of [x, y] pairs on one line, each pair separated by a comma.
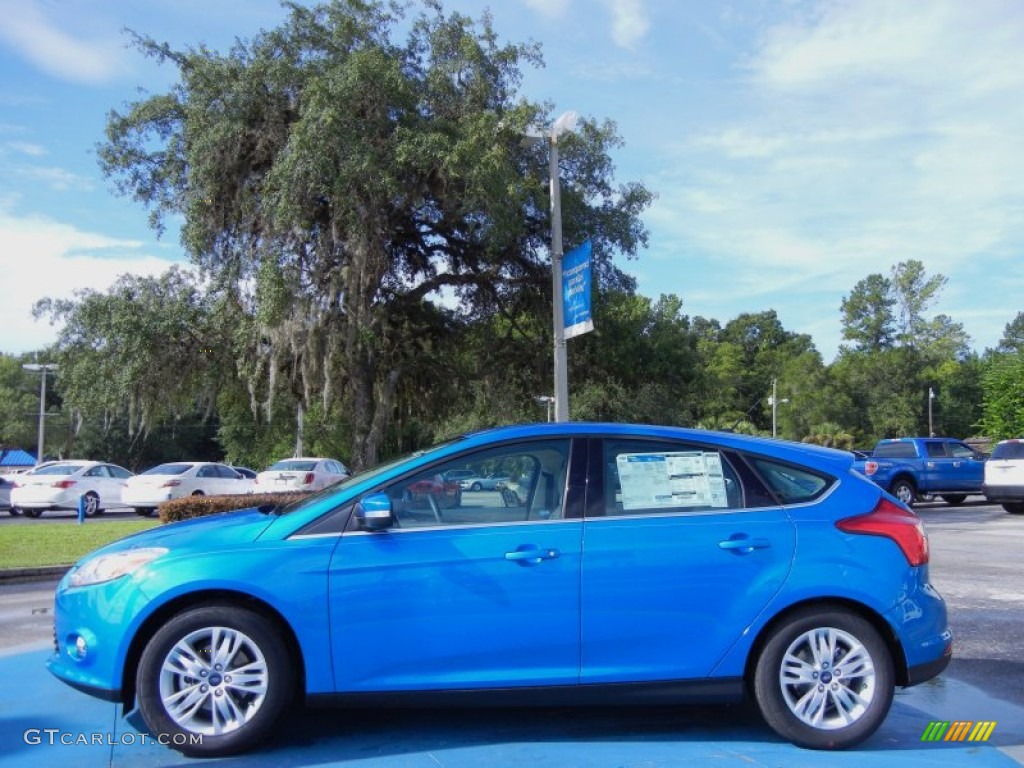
[[23, 575]]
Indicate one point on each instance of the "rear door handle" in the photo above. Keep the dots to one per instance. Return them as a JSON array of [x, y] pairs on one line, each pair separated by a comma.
[[532, 555], [743, 545]]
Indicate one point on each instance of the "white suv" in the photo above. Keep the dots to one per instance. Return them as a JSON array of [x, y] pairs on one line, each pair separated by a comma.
[[1004, 476]]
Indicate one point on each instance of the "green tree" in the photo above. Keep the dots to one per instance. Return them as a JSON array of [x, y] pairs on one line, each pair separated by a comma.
[[1013, 335], [1003, 386], [868, 319], [351, 179]]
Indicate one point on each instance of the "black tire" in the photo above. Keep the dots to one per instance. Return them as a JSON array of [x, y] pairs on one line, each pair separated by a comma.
[[954, 499], [194, 629], [144, 511], [14, 512], [1014, 507], [92, 504], [904, 490], [477, 487], [872, 682], [198, 493], [32, 512]]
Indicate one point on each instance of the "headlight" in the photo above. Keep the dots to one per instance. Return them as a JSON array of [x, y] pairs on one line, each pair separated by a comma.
[[107, 567]]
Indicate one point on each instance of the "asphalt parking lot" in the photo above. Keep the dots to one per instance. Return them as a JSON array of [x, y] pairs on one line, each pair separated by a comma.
[[975, 554]]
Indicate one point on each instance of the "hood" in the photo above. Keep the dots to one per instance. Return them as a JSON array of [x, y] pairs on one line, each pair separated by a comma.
[[212, 532]]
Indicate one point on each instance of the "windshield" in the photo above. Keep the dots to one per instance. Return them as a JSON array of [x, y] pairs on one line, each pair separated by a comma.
[[293, 465], [56, 469], [1014, 450], [354, 480], [168, 469]]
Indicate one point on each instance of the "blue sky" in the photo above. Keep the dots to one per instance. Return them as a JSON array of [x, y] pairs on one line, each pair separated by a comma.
[[795, 146]]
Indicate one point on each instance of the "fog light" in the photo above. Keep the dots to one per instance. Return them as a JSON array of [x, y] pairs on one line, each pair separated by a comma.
[[80, 649]]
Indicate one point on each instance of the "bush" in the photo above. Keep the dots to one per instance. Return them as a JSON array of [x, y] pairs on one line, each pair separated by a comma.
[[189, 507]]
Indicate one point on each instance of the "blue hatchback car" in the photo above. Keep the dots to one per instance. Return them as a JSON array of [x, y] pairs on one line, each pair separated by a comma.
[[619, 564]]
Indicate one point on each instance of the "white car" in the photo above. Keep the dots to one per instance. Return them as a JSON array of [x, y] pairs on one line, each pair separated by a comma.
[[60, 485], [1004, 476], [164, 482], [302, 474]]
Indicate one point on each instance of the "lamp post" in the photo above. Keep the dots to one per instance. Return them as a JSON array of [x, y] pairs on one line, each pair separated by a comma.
[[564, 124], [774, 401], [41, 368], [931, 427]]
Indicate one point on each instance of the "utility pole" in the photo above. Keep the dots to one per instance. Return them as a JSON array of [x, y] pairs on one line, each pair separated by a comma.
[[42, 369]]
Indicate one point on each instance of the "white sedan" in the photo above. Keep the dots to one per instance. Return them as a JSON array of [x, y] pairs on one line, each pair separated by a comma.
[[302, 474], [164, 482], [61, 484]]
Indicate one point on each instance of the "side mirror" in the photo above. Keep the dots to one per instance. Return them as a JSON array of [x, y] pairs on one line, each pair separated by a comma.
[[373, 513]]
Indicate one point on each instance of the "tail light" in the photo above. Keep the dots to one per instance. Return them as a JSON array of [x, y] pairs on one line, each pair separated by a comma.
[[170, 483], [893, 522], [870, 467], [308, 478], [62, 484]]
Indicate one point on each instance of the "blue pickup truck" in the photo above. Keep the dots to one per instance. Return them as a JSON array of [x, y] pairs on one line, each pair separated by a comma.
[[911, 467]]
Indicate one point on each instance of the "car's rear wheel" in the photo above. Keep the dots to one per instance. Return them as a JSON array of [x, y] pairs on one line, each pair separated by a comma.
[[824, 680], [477, 487], [1014, 507], [221, 673], [92, 504], [144, 511], [31, 512], [198, 493], [14, 511], [904, 490], [954, 499]]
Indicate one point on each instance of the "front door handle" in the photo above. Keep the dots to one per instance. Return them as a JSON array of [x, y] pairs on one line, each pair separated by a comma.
[[532, 555], [742, 544]]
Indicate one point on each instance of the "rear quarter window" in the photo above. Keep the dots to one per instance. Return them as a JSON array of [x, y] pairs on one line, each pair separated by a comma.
[[790, 484]]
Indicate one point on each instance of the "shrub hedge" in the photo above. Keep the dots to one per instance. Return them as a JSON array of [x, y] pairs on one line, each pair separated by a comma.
[[189, 507]]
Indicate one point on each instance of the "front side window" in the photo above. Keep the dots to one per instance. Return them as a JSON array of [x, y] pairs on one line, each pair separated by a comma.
[[535, 488], [960, 451], [936, 450], [650, 477]]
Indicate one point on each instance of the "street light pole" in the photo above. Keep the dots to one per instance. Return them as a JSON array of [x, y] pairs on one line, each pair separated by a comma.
[[42, 369], [931, 427], [774, 402], [564, 124]]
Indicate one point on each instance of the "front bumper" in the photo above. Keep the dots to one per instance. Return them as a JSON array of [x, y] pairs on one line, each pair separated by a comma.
[[104, 617]]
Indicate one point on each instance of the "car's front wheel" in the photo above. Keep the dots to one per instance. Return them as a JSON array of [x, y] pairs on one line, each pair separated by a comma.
[[954, 499], [214, 679], [1014, 507], [144, 511], [32, 512], [824, 680]]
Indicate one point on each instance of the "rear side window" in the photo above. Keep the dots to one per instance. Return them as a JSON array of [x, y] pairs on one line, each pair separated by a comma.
[[649, 478], [790, 484], [1011, 450], [895, 451]]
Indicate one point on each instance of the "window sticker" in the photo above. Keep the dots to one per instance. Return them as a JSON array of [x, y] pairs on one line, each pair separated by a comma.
[[667, 480]]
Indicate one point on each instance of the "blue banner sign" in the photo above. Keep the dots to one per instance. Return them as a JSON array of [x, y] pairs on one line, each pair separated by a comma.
[[576, 291]]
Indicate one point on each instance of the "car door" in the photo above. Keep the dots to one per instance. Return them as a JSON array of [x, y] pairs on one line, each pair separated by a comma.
[[939, 473], [684, 547], [483, 594], [968, 467]]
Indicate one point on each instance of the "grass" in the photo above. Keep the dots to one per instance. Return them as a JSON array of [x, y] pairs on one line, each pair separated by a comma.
[[59, 543]]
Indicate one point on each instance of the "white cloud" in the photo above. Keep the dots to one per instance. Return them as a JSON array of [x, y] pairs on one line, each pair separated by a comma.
[[41, 257], [552, 9], [54, 51], [863, 134], [629, 21], [57, 179], [26, 148]]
